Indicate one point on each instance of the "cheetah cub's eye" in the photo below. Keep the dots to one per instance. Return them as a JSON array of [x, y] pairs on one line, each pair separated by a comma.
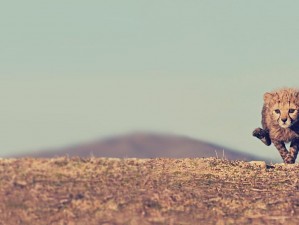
[[277, 111], [291, 110]]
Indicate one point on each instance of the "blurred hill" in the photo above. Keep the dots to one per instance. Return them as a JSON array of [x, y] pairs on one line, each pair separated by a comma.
[[145, 145]]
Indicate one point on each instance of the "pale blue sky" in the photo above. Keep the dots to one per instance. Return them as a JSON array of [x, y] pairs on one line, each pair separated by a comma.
[[74, 71]]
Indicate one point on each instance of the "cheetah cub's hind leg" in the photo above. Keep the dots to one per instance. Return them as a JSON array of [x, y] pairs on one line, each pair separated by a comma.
[[263, 135]]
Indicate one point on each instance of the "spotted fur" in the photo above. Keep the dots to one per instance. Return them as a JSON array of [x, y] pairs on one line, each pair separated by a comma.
[[280, 122]]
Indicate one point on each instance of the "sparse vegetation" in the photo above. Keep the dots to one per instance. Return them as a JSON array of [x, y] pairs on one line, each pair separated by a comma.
[[152, 191]]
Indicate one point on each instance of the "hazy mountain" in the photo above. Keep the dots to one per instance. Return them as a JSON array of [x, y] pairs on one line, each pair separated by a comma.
[[145, 145]]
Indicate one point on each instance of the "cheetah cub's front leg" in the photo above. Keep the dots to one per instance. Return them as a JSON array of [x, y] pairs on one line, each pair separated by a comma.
[[290, 156], [263, 135], [283, 151]]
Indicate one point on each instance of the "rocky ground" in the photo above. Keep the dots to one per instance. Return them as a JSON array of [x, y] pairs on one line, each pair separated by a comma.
[[147, 191]]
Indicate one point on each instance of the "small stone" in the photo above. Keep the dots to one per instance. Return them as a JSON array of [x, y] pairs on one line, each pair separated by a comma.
[[260, 164], [20, 183]]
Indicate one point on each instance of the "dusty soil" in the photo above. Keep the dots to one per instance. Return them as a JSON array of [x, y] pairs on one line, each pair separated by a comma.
[[154, 191]]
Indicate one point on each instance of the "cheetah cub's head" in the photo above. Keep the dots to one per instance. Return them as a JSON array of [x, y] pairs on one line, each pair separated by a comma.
[[283, 106]]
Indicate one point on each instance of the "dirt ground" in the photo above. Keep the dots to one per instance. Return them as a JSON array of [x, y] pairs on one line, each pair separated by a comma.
[[150, 191]]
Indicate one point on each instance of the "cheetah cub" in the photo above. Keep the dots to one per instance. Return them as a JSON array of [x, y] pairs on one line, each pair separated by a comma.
[[280, 124]]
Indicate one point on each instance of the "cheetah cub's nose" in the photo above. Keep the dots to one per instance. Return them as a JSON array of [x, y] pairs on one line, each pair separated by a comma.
[[284, 120]]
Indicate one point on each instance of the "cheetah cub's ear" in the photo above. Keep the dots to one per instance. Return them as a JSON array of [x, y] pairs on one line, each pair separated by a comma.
[[267, 97]]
